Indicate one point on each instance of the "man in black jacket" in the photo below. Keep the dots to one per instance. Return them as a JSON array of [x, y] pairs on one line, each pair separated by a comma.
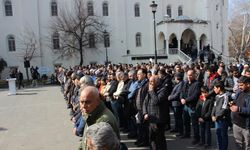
[[142, 125], [189, 97], [19, 77], [154, 112]]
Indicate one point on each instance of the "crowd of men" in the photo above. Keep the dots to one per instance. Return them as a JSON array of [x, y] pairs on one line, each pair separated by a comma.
[[137, 99]]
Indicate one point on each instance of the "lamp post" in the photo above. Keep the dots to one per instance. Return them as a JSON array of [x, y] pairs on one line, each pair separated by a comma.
[[106, 45], [154, 6]]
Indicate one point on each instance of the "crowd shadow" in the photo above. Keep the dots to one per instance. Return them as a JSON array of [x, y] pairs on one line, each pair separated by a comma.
[[24, 93], [3, 129]]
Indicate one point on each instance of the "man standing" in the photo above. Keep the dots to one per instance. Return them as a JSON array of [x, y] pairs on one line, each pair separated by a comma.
[[154, 111], [241, 114], [19, 77], [142, 136], [94, 111], [189, 98]]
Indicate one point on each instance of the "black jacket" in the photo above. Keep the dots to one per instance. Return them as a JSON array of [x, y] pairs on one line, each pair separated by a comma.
[[204, 109], [191, 92], [155, 105]]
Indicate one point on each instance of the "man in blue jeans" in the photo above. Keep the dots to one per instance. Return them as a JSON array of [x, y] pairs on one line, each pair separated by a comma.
[[189, 98], [220, 114]]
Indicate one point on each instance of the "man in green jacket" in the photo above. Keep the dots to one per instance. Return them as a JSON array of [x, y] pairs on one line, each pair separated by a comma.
[[94, 111]]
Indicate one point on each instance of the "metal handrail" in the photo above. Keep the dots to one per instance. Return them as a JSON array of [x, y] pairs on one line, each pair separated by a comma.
[[184, 56], [173, 51]]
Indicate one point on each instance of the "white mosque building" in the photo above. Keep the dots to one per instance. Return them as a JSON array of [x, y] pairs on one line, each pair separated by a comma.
[[181, 26]]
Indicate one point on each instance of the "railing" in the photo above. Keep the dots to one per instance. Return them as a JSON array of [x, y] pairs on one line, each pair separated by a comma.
[[162, 51], [182, 56], [173, 51]]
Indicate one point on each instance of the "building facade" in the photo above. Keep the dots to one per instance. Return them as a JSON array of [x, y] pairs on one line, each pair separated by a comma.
[[180, 25]]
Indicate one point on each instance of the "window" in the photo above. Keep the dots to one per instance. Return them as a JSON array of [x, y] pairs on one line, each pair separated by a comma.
[[105, 9], [106, 40], [180, 11], [53, 8], [90, 9], [56, 41], [8, 8], [11, 43], [217, 6], [217, 25], [138, 39], [169, 13], [137, 10], [91, 40]]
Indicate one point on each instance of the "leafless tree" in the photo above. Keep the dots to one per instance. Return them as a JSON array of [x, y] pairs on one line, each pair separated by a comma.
[[74, 27], [28, 46], [239, 27]]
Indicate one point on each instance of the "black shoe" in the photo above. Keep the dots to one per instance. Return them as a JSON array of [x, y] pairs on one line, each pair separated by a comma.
[[137, 142], [131, 136], [185, 137], [179, 135], [143, 144], [201, 144], [173, 131], [194, 142], [207, 146]]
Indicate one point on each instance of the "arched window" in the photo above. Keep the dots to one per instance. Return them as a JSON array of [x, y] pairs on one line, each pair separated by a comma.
[[105, 9], [180, 11], [169, 13], [90, 9], [137, 10], [138, 39], [106, 40], [8, 8], [54, 8], [91, 41], [11, 43], [56, 40]]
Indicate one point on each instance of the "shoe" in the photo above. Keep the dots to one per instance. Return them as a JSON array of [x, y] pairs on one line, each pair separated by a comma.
[[179, 135], [143, 144], [194, 142], [207, 146], [173, 131], [131, 136], [137, 142], [201, 144], [185, 136]]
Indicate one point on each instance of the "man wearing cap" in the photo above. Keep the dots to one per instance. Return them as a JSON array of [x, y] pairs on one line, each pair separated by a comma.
[[241, 114]]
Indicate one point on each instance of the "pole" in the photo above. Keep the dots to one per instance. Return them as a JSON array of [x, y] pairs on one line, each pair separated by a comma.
[[106, 55], [155, 39]]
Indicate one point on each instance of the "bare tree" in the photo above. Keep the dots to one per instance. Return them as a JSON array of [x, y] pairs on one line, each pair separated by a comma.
[[77, 29], [28, 45], [239, 27]]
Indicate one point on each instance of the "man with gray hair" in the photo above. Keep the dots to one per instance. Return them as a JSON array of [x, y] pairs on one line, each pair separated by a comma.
[[101, 136]]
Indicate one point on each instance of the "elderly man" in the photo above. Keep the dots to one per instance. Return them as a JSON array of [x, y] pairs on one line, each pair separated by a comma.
[[154, 111], [94, 111], [102, 136]]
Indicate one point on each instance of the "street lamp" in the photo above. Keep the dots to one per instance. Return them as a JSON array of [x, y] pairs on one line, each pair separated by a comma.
[[106, 44], [154, 6]]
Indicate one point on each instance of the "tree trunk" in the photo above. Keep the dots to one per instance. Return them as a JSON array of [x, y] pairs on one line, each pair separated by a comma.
[[27, 73], [81, 53]]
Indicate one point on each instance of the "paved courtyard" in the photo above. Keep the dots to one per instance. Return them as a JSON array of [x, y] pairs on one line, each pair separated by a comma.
[[37, 119]]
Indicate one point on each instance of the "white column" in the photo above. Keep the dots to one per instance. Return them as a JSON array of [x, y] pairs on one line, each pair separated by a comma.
[[179, 44], [198, 46], [167, 46]]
